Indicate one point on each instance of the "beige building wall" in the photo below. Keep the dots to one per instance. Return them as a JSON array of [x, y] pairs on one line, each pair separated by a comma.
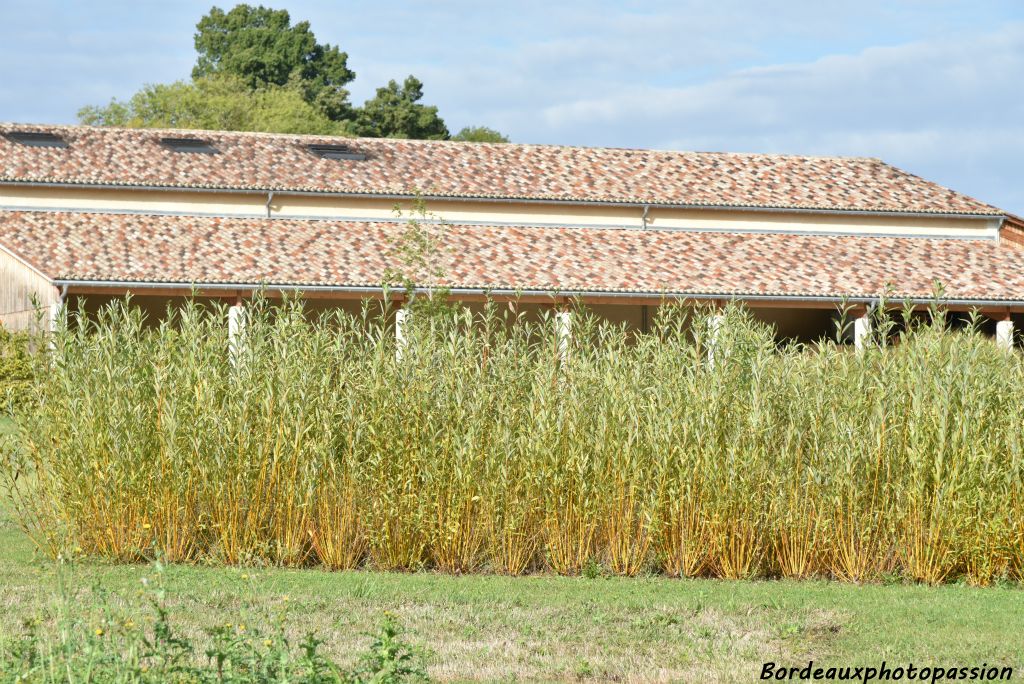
[[343, 207]]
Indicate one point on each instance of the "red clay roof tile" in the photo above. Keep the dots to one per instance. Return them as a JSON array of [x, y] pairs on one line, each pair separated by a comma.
[[205, 250], [259, 161]]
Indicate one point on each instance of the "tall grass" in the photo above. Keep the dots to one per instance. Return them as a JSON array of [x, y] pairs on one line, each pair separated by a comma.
[[484, 446]]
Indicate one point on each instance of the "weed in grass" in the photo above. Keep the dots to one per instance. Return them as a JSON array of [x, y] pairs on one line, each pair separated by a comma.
[[106, 647]]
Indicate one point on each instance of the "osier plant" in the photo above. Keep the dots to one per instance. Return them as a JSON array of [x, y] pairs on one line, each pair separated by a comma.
[[488, 441]]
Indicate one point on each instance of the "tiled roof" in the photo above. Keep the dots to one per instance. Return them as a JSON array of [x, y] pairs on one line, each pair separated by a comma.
[[205, 250], [258, 161]]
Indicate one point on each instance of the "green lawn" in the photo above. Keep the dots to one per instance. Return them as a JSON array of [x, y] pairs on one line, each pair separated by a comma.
[[492, 628]]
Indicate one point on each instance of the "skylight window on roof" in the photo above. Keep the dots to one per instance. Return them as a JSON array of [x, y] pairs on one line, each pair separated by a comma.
[[336, 152], [36, 139], [189, 145]]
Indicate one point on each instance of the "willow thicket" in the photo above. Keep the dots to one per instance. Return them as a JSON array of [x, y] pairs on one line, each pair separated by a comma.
[[484, 447]]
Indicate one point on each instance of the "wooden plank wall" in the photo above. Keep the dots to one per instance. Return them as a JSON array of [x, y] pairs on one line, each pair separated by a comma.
[[25, 295]]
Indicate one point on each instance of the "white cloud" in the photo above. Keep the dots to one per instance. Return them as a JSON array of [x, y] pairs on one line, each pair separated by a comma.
[[946, 109]]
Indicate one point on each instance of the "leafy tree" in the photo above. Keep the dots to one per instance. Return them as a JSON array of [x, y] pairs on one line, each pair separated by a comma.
[[256, 71], [480, 134], [261, 46], [215, 103], [395, 112]]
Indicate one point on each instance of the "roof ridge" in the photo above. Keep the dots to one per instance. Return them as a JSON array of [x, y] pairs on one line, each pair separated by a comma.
[[418, 141], [252, 160]]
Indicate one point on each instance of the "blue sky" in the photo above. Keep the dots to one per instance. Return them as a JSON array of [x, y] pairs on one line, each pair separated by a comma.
[[933, 86]]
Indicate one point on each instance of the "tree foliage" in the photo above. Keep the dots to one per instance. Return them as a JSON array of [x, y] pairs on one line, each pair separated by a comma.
[[215, 103], [396, 112], [480, 134], [260, 46], [257, 71]]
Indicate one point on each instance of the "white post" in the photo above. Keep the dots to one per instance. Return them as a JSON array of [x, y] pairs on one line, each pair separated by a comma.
[[715, 325], [563, 324], [862, 332], [53, 319], [1004, 333], [402, 318], [236, 330]]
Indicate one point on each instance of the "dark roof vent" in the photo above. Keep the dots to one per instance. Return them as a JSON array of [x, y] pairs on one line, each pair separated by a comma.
[[336, 152], [35, 139], [188, 145]]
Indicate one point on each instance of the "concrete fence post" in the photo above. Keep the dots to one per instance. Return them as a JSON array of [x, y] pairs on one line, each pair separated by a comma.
[[53, 320], [236, 331], [716, 324], [403, 317], [862, 332], [563, 325], [56, 308], [1004, 333]]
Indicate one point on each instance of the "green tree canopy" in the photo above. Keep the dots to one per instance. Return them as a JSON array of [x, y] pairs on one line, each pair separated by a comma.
[[395, 112], [261, 46], [215, 103], [480, 134], [256, 71]]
